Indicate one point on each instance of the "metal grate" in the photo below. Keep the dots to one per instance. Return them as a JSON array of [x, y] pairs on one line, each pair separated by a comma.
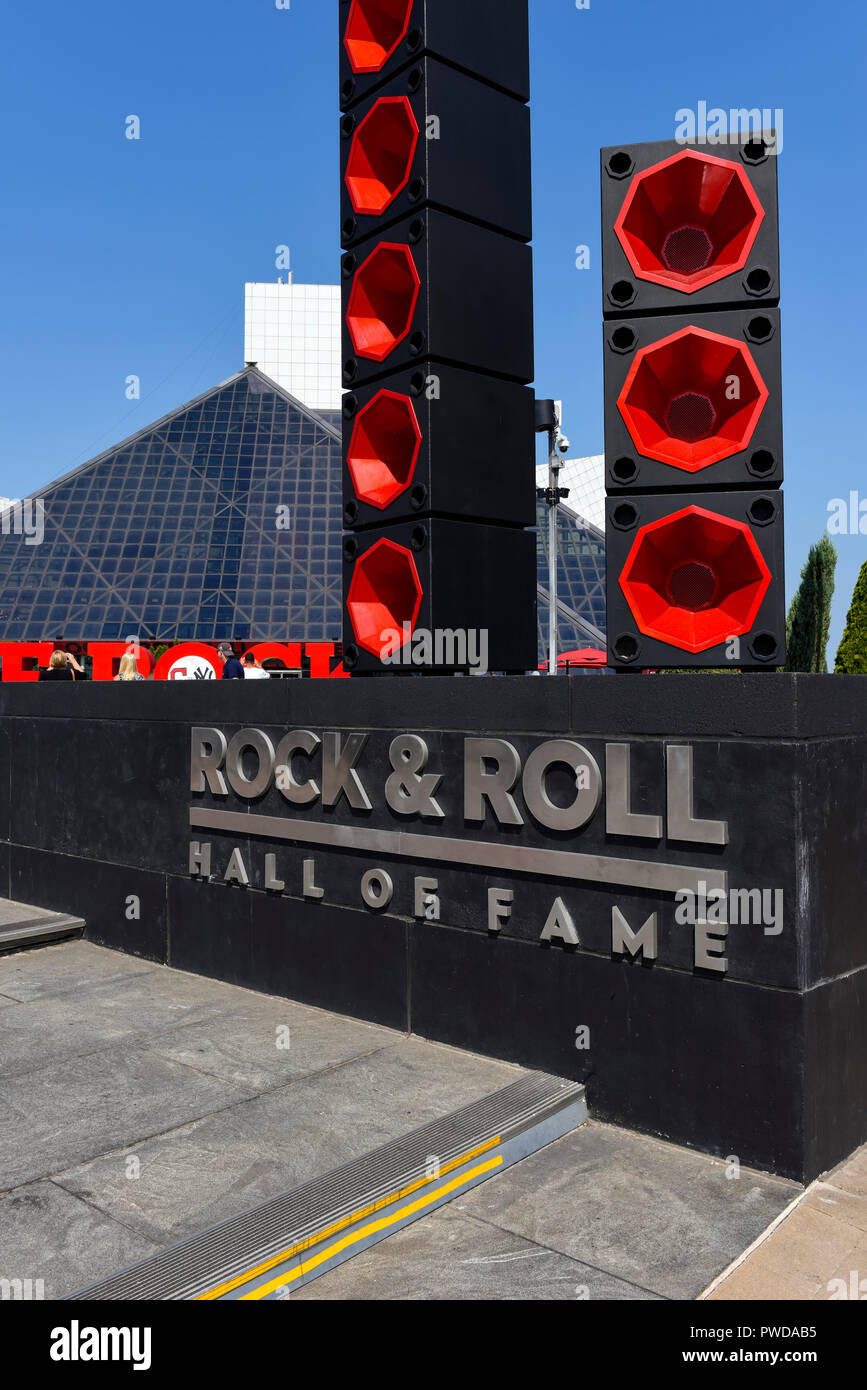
[[692, 586], [687, 250], [691, 416]]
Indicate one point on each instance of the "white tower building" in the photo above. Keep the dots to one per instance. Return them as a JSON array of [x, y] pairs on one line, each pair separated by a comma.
[[292, 333]]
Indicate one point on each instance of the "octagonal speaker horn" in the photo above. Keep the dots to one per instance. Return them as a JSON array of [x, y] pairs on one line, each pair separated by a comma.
[[380, 38], [435, 286], [690, 227], [435, 136], [693, 401], [696, 583], [411, 448], [437, 595]]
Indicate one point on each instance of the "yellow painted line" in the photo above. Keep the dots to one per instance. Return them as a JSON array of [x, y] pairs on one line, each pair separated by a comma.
[[343, 1223], [372, 1229]]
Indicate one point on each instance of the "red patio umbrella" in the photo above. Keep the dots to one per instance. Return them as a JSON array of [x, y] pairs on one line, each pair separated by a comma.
[[585, 656]]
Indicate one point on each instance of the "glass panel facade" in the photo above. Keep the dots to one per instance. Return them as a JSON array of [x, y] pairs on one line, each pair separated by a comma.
[[580, 580], [224, 520]]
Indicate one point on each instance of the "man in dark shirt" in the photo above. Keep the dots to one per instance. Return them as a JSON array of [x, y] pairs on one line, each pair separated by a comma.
[[232, 669]]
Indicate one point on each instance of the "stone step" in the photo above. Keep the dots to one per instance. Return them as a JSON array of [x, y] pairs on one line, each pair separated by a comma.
[[273, 1249], [23, 926]]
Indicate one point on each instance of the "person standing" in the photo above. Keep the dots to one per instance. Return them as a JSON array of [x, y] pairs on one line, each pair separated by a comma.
[[254, 670], [128, 669], [58, 668], [232, 668]]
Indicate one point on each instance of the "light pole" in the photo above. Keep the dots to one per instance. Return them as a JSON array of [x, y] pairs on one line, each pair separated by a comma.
[[549, 415]]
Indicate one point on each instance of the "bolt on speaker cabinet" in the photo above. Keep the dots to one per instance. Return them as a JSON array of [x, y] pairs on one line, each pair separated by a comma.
[[400, 154], [441, 440], [696, 582], [693, 402], [687, 227], [437, 287], [488, 38], [459, 584]]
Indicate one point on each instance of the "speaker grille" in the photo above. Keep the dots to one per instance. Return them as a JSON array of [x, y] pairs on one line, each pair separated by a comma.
[[691, 416], [692, 586], [686, 250]]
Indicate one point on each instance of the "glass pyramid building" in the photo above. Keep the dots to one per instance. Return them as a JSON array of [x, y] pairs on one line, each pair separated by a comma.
[[221, 520], [224, 520], [580, 581]]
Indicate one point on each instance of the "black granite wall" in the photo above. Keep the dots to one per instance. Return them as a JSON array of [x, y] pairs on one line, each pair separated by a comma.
[[767, 1061]]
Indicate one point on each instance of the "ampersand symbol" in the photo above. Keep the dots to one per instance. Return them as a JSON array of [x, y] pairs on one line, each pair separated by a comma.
[[409, 790]]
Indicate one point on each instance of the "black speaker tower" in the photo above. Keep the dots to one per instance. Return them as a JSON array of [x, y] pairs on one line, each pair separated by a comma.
[[693, 406], [437, 355]]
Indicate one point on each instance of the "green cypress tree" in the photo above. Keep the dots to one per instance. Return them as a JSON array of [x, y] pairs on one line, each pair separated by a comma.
[[852, 655], [809, 622]]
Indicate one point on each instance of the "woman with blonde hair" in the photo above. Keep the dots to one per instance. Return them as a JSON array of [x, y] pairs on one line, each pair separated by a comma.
[[59, 668], [128, 669]]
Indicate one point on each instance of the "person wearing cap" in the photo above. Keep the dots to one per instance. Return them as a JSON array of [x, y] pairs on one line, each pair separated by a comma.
[[232, 668]]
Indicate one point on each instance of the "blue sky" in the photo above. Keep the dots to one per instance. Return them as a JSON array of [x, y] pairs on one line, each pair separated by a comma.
[[123, 257]]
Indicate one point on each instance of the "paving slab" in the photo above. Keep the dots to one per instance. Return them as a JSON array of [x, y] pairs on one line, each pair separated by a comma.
[[139, 1105], [851, 1272], [159, 1103], [808, 1242], [89, 1105], [50, 1235], [751, 1283], [451, 1255], [269, 1042], [821, 1241], [206, 1172], [851, 1176], [63, 1026], [64, 969], [796, 1261], [849, 1207], [665, 1218]]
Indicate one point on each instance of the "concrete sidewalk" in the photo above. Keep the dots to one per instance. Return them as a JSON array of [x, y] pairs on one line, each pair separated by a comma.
[[601, 1214], [817, 1251], [139, 1105]]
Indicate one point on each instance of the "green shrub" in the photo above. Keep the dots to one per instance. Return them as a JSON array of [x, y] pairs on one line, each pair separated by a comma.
[[852, 653], [809, 622]]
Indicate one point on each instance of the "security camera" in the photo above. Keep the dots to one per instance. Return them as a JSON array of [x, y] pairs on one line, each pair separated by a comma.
[[563, 444]]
